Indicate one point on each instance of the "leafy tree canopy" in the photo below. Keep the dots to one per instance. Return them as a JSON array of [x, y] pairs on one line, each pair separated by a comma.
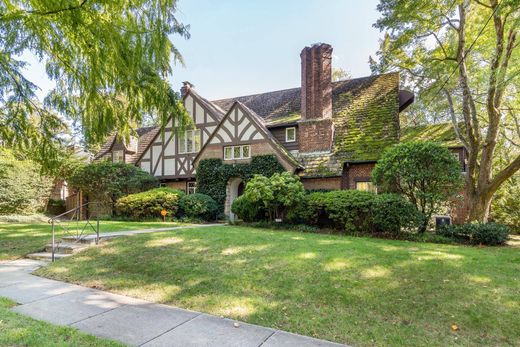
[[426, 173], [109, 59], [277, 193], [22, 189], [462, 59], [111, 180]]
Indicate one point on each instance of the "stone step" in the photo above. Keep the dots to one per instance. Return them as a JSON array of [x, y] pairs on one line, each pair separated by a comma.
[[88, 239], [66, 247], [46, 256]]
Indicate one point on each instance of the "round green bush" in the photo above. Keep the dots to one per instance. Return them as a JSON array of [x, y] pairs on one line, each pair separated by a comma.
[[391, 213], [199, 206], [149, 204], [247, 210]]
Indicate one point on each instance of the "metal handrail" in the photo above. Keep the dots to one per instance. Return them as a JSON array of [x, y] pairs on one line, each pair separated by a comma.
[[56, 220]]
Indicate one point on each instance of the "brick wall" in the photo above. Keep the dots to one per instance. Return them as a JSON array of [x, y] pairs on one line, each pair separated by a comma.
[[181, 185], [315, 135], [330, 183], [356, 172]]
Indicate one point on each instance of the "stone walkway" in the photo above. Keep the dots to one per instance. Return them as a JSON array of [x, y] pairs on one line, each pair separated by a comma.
[[132, 321]]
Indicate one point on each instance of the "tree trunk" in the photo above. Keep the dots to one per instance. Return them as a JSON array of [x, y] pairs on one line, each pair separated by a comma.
[[479, 206]]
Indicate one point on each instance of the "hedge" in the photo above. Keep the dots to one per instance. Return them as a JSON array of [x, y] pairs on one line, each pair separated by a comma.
[[357, 212], [149, 204], [198, 206], [213, 174], [491, 234]]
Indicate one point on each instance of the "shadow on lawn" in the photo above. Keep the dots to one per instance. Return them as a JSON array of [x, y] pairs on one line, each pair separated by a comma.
[[352, 290]]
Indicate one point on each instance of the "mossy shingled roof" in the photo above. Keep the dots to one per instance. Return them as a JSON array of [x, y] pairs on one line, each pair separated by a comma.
[[442, 133], [366, 117]]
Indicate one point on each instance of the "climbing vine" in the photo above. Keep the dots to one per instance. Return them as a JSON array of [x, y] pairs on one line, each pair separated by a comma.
[[213, 175]]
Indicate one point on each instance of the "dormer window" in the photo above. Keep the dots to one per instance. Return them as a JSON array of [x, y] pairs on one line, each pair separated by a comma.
[[189, 141], [290, 134]]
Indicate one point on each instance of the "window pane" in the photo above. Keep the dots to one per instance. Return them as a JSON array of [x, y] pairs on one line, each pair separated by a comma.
[[227, 152], [197, 140], [189, 141], [182, 143], [366, 187], [245, 152], [236, 152], [290, 134]]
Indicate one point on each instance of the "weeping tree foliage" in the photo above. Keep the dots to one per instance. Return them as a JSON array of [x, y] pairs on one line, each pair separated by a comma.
[[462, 58], [109, 59]]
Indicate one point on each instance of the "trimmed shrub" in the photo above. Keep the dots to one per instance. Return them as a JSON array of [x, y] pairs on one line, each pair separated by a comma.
[[490, 234], [248, 211], [279, 193], [391, 213], [198, 206], [149, 204], [348, 210], [424, 172]]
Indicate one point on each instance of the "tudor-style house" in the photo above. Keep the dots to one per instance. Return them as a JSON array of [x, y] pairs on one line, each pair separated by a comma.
[[329, 133]]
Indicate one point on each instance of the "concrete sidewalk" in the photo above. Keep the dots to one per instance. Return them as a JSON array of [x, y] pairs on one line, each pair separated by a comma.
[[132, 321]]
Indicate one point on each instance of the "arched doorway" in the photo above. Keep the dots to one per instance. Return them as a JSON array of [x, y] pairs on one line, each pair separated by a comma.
[[234, 188]]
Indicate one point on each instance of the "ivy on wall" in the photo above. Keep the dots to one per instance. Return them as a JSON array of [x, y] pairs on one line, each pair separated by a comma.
[[213, 175]]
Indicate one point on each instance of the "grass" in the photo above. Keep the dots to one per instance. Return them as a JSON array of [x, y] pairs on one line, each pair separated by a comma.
[[17, 240], [19, 330], [360, 291]]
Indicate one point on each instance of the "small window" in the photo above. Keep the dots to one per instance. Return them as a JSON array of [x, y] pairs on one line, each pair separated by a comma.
[[228, 153], [237, 152], [245, 151], [189, 141], [290, 134], [463, 164], [117, 156], [366, 187], [192, 187]]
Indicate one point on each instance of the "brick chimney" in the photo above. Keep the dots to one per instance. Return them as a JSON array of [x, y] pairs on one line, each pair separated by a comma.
[[186, 86], [315, 127]]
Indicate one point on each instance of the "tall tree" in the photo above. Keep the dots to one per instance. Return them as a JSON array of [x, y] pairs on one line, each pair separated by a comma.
[[339, 74], [463, 59], [109, 60]]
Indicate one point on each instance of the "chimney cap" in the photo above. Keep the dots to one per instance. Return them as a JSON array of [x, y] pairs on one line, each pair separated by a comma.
[[188, 84], [317, 46]]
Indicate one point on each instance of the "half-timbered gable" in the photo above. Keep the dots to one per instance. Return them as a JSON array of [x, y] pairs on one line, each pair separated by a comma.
[[117, 150], [170, 155], [241, 135]]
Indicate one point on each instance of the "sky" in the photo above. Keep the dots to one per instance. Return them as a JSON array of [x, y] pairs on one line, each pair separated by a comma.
[[241, 47]]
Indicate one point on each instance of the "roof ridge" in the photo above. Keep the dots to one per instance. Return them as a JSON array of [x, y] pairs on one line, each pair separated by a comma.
[[299, 88]]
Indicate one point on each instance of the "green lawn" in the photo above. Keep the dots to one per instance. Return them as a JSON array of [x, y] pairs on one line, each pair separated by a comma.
[[359, 291], [19, 330], [17, 240]]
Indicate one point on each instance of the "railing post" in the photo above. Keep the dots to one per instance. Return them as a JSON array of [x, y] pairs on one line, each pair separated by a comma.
[[97, 230], [53, 240]]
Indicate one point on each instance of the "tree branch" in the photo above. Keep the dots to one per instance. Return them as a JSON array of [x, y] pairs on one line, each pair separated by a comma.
[[503, 175], [454, 120], [70, 8]]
